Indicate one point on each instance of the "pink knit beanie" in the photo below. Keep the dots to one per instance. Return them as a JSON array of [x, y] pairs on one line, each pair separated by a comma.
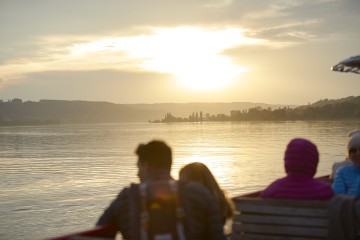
[[301, 156]]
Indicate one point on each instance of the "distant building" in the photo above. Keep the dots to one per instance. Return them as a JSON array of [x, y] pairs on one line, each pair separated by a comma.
[[17, 101]]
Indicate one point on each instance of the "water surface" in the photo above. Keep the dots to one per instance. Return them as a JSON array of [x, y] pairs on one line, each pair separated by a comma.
[[58, 179]]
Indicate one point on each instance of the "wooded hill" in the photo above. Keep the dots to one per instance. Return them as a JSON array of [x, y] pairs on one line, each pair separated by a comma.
[[17, 112]]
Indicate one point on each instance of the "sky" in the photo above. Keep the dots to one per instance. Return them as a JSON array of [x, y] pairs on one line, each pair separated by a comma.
[[141, 51]]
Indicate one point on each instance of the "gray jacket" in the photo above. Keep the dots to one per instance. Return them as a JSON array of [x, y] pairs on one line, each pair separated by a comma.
[[203, 218]]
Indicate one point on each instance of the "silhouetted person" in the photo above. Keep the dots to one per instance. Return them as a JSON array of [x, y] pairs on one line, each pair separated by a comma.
[[301, 160], [347, 178], [199, 172], [202, 219], [347, 162]]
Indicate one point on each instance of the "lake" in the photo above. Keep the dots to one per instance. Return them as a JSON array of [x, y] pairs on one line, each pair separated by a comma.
[[58, 179]]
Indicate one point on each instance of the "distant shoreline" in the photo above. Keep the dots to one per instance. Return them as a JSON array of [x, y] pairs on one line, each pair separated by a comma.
[[57, 112]]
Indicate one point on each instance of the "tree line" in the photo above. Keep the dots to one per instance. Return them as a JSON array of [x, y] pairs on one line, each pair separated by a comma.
[[342, 109]]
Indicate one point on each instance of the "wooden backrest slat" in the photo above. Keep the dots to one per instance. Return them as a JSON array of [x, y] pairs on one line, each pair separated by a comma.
[[280, 202], [268, 237], [279, 219], [283, 220], [282, 210], [281, 230]]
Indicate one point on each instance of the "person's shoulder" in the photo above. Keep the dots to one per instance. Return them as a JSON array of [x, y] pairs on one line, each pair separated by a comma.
[[124, 193], [347, 171], [192, 186], [278, 181], [346, 168], [194, 189], [272, 188]]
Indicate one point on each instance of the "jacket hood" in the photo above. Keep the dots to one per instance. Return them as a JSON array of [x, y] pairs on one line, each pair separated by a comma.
[[301, 157]]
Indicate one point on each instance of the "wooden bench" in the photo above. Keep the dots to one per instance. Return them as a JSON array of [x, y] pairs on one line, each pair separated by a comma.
[[279, 219]]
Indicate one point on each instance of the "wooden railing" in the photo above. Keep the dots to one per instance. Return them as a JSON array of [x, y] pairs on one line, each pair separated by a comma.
[[100, 232]]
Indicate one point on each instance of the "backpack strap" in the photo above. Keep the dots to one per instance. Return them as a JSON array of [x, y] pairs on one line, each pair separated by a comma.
[[134, 223], [179, 210], [144, 212], [145, 216]]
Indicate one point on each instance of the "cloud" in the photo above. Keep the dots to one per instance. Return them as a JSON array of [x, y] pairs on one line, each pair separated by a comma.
[[314, 19], [96, 85], [125, 35], [25, 20], [157, 49]]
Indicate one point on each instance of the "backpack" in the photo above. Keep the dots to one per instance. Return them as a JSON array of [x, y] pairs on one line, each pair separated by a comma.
[[156, 212]]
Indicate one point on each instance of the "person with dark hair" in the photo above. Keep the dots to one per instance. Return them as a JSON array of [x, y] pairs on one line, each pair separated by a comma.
[[160, 207], [154, 155], [301, 161], [199, 172]]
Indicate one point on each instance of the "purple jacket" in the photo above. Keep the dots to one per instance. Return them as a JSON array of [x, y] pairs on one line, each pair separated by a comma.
[[301, 159]]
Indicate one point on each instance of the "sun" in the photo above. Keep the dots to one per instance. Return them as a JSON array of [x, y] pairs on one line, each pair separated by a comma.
[[194, 56], [200, 72], [208, 74]]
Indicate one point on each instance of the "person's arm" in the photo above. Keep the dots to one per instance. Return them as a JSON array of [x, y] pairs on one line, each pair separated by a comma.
[[339, 185], [109, 215], [116, 213], [333, 171]]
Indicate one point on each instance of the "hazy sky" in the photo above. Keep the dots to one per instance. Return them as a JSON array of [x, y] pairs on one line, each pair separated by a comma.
[[142, 51]]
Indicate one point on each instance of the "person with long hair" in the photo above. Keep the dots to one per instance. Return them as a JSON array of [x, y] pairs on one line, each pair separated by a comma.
[[199, 172]]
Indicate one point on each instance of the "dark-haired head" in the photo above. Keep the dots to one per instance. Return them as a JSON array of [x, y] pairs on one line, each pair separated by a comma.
[[156, 154]]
